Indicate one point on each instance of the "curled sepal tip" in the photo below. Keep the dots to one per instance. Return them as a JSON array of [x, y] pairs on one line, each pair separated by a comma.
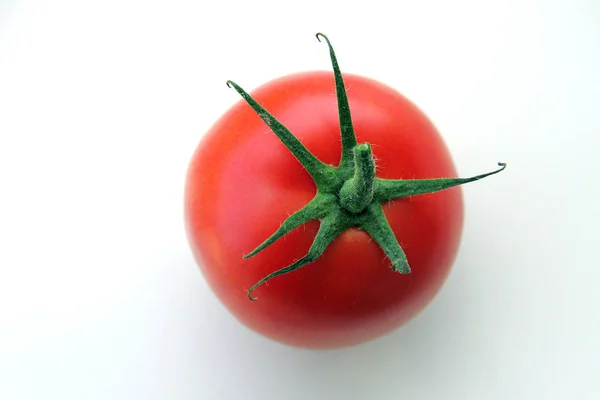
[[298, 264], [320, 35]]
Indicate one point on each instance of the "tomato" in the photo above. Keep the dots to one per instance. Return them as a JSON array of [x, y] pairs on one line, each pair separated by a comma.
[[243, 183]]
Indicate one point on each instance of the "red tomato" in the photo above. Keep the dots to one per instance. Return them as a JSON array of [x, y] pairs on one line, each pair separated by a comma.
[[243, 183]]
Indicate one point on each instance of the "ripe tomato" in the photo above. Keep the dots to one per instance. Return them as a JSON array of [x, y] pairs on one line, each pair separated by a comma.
[[243, 183]]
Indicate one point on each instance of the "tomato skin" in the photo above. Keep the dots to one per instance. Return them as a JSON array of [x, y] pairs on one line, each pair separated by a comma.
[[243, 183]]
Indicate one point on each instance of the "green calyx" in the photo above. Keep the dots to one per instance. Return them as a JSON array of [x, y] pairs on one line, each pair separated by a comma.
[[349, 195]]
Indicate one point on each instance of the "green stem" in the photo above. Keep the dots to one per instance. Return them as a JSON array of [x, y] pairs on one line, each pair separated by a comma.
[[357, 192]]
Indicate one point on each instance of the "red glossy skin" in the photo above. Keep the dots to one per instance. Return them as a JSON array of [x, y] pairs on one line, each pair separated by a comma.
[[243, 183]]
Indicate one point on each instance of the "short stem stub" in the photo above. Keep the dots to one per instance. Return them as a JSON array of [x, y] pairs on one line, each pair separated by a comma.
[[357, 192]]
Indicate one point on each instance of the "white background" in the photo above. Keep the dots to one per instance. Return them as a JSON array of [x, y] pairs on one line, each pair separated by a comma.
[[102, 104]]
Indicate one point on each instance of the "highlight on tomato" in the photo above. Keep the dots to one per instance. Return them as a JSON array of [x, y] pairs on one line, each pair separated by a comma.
[[331, 200]]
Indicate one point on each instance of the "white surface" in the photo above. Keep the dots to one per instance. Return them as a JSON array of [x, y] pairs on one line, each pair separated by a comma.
[[102, 104]]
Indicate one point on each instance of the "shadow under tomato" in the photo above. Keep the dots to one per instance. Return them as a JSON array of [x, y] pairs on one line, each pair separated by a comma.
[[219, 349]]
